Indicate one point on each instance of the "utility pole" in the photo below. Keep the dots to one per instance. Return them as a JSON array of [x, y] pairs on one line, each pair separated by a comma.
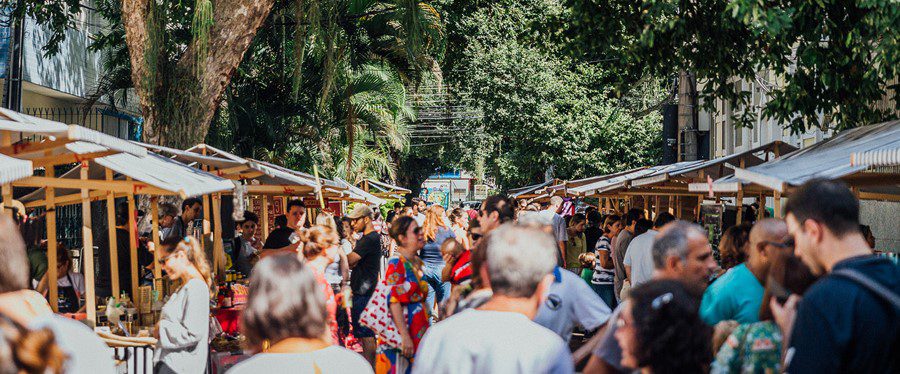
[[688, 146], [12, 93]]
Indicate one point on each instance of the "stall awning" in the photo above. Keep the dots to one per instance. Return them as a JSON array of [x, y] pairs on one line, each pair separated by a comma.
[[58, 134], [356, 193], [718, 167], [889, 156], [152, 170], [515, 193], [12, 169], [622, 180], [384, 188], [827, 159]]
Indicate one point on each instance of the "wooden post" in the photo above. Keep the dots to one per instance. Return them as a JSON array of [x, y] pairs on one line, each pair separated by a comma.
[[656, 207], [6, 189], [671, 206], [777, 207], [284, 204], [218, 244], [699, 206], [113, 243], [762, 207], [87, 240], [132, 246], [265, 216], [739, 204], [154, 224], [646, 206], [50, 194]]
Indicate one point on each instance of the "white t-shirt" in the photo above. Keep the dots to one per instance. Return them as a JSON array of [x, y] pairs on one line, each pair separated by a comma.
[[639, 256], [571, 301], [333, 270], [478, 341], [78, 278], [333, 359]]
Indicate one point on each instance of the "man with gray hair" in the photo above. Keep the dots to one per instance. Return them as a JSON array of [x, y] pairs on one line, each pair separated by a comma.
[[681, 252], [499, 336], [558, 224]]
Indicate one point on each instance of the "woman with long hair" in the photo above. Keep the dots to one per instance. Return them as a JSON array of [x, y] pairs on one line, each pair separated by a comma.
[[459, 224], [404, 275], [337, 273], [660, 330], [604, 275], [435, 231], [285, 323], [318, 240], [183, 327], [756, 347], [733, 246]]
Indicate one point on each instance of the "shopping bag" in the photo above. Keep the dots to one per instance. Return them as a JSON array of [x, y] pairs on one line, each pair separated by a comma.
[[377, 316]]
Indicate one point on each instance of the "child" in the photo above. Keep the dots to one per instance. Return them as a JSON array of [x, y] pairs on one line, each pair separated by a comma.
[[587, 265], [457, 260]]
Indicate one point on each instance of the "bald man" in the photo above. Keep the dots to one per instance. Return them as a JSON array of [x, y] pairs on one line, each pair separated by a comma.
[[737, 294]]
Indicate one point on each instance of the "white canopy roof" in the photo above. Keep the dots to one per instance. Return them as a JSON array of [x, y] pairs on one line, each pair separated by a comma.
[[12, 169], [152, 169], [18, 122], [357, 193], [622, 180]]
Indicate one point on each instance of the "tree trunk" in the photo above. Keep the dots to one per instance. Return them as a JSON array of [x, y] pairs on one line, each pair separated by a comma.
[[195, 97]]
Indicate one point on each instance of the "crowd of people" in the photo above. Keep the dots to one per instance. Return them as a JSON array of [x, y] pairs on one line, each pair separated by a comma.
[[506, 290]]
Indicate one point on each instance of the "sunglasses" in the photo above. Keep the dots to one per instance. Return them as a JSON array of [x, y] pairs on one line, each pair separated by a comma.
[[162, 260], [786, 244], [476, 236]]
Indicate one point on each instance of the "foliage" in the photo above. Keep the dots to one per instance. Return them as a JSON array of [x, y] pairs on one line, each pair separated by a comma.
[[829, 57], [541, 108], [56, 15]]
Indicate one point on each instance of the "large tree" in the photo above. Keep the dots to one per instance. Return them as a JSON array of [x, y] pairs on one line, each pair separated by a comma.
[[180, 86], [541, 109], [836, 58]]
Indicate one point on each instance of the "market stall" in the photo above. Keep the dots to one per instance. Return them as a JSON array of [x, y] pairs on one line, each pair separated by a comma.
[[383, 189]]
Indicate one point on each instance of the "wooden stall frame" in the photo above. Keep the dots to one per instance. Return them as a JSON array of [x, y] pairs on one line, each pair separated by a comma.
[[111, 232]]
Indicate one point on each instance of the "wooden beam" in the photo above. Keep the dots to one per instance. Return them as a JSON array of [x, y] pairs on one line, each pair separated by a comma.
[[777, 207], [132, 245], [279, 190], [68, 158], [656, 207], [71, 199], [7, 193], [21, 149], [862, 195], [154, 225], [232, 170], [761, 214], [50, 193], [113, 243], [90, 184], [87, 240], [739, 204], [218, 240], [699, 207], [646, 207], [265, 216]]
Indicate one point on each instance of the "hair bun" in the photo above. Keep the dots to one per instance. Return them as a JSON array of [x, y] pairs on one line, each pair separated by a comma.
[[37, 352]]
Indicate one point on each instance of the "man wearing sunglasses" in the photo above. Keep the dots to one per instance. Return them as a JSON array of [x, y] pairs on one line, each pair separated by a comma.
[[365, 260], [737, 294], [847, 321]]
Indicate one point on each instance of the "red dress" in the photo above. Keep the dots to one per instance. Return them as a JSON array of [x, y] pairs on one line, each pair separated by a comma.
[[410, 291]]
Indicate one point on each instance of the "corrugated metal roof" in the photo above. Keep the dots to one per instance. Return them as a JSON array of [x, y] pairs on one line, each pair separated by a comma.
[[622, 180], [18, 122], [516, 192], [878, 157], [826, 159], [12, 169], [387, 187]]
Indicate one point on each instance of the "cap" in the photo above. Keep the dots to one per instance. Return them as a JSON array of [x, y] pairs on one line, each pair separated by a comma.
[[360, 211]]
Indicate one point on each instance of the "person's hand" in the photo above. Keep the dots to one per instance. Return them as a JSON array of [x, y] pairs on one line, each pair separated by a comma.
[[406, 346], [785, 314], [721, 332], [449, 259]]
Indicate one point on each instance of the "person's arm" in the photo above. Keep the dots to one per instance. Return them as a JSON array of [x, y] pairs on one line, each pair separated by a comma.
[[447, 271], [43, 285], [628, 272], [353, 259], [345, 267], [589, 311], [406, 347], [395, 277], [185, 333], [562, 251], [627, 261]]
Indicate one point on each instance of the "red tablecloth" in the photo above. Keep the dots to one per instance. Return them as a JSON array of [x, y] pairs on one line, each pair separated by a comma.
[[229, 318]]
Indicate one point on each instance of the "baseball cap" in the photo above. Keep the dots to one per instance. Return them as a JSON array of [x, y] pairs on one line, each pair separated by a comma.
[[360, 211]]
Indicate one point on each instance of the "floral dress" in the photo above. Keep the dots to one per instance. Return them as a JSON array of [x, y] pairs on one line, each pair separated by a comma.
[[410, 290], [751, 348]]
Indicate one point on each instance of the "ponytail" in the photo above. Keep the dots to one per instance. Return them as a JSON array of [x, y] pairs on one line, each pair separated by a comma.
[[29, 351]]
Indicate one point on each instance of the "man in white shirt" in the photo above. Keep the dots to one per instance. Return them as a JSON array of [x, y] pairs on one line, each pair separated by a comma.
[[638, 257], [499, 336], [558, 224]]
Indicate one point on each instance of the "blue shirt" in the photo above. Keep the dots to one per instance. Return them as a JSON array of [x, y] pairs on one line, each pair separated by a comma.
[[842, 327], [736, 295], [431, 252], [570, 301]]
